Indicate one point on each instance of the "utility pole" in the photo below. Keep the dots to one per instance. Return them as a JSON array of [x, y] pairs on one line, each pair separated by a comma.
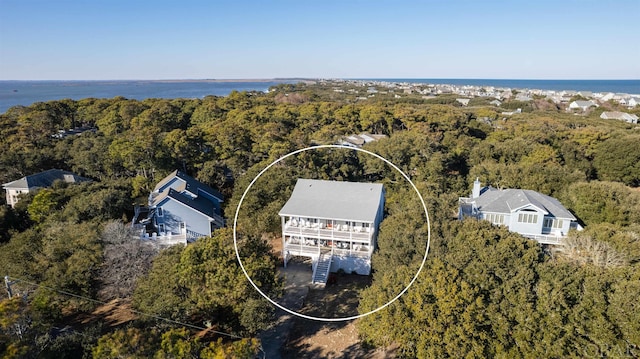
[[8, 284]]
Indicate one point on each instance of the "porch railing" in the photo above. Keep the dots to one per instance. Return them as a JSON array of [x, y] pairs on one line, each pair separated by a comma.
[[546, 239], [327, 233]]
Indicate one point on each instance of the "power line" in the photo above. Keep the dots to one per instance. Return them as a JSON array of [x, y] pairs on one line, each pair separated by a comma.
[[132, 310]]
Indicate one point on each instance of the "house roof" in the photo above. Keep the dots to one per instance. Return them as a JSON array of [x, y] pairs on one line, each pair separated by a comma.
[[580, 103], [361, 139], [187, 191], [353, 201], [45, 179], [509, 200], [617, 115], [200, 204], [189, 184]]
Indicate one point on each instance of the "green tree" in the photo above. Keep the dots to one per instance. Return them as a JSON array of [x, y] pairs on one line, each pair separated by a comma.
[[600, 202], [204, 282], [618, 159], [43, 203], [126, 343]]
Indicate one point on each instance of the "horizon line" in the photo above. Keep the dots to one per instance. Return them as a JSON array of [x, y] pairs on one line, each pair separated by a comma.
[[266, 79]]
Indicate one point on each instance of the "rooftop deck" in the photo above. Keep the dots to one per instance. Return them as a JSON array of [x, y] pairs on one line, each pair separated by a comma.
[[166, 239]]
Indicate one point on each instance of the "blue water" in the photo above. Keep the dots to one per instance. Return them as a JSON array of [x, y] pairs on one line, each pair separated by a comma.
[[25, 93], [616, 86]]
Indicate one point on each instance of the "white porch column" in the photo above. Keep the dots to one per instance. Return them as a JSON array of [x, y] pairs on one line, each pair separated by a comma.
[[284, 247]]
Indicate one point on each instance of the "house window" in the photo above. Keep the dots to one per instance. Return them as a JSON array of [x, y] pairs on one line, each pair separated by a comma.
[[161, 228], [494, 218], [160, 212], [527, 218], [552, 223]]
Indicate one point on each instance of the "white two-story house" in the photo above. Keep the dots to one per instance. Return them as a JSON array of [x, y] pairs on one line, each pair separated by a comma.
[[530, 213], [334, 223]]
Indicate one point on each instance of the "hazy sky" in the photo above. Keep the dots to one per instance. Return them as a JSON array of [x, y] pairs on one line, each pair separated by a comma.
[[136, 39]]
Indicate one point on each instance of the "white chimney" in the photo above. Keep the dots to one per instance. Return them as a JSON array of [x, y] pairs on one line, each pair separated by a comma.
[[476, 189]]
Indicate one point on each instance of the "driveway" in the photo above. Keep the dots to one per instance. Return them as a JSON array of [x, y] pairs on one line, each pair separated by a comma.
[[297, 278]]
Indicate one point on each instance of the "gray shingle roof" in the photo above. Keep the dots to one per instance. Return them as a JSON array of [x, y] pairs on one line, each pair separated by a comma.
[[508, 200], [201, 203], [334, 200], [45, 179], [584, 103], [191, 185]]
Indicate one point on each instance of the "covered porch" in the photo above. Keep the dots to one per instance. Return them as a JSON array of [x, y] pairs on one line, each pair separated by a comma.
[[312, 247], [324, 228]]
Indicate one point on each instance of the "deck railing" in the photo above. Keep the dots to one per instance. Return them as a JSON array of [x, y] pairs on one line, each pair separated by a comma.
[[327, 233], [301, 249], [546, 239], [167, 239]]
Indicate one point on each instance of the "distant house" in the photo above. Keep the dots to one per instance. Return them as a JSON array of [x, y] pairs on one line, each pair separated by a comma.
[[39, 180], [607, 97], [463, 101], [505, 95], [74, 131], [509, 113], [523, 97], [530, 213], [357, 141], [617, 115], [496, 103], [582, 105], [181, 209], [334, 223], [633, 102]]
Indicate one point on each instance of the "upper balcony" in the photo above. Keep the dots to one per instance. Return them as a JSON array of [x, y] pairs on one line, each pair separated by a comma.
[[328, 229]]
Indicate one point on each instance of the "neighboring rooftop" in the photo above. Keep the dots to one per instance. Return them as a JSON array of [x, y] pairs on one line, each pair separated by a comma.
[[44, 179], [349, 201], [360, 140], [508, 200]]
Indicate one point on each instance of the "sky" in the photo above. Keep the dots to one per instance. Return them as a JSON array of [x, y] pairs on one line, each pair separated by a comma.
[[242, 39]]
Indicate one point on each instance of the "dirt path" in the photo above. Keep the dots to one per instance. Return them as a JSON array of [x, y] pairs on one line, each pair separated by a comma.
[[297, 277], [318, 339]]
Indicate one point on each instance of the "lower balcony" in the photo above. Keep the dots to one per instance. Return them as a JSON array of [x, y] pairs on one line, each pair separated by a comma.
[[299, 246]]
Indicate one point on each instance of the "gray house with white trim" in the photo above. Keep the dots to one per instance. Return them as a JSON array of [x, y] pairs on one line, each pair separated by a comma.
[[182, 209], [334, 223], [38, 180], [530, 213]]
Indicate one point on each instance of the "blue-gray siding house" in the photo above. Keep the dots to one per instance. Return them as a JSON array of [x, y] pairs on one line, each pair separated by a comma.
[[530, 213], [184, 209]]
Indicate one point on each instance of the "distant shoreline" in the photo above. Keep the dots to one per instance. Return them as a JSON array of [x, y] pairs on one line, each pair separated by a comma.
[[27, 92], [176, 80]]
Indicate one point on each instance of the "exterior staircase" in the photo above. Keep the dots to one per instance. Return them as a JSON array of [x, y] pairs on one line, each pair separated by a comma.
[[321, 272]]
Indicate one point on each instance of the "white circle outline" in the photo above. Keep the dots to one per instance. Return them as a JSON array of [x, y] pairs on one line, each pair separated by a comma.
[[235, 240]]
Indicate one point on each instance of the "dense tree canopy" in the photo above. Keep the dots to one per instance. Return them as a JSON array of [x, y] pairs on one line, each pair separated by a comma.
[[203, 282], [485, 292]]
